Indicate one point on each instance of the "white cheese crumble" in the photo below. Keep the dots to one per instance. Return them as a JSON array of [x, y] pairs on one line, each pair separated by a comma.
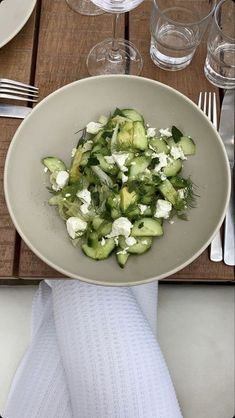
[[165, 132], [130, 241], [177, 152], [85, 196], [124, 178], [75, 225], [87, 146], [151, 132], [93, 127], [67, 194], [109, 159], [45, 169], [62, 178], [73, 152], [103, 241], [120, 160], [142, 208], [122, 251], [121, 226], [162, 161], [163, 209]]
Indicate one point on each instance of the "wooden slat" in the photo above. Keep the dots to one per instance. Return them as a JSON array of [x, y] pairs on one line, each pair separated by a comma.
[[65, 39], [15, 63]]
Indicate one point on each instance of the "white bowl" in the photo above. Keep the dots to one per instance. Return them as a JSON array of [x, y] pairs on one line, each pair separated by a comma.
[[50, 130]]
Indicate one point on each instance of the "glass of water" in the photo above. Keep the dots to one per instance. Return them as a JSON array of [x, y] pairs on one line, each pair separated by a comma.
[[84, 7], [220, 61], [115, 55], [177, 27]]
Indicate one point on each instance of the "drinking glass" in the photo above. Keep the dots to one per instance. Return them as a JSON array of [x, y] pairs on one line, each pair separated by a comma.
[[115, 55], [177, 27], [84, 7], [220, 61]]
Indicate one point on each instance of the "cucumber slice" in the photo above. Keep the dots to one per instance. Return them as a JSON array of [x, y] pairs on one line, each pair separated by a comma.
[[172, 168], [122, 258], [159, 145], [139, 165], [127, 198], [187, 145], [125, 136], [168, 191], [108, 168], [147, 227], [101, 251], [96, 222], [133, 115], [54, 164], [85, 158], [140, 247], [55, 200], [139, 136], [104, 229], [74, 172]]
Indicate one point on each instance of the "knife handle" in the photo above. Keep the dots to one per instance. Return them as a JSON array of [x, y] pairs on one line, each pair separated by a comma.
[[229, 229]]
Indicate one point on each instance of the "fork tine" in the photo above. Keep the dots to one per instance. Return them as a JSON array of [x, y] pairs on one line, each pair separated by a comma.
[[19, 92], [205, 100], [17, 83], [200, 100], [214, 113], [209, 107], [11, 96], [18, 88]]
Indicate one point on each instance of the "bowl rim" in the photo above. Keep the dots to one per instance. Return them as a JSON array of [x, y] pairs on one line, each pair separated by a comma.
[[100, 282]]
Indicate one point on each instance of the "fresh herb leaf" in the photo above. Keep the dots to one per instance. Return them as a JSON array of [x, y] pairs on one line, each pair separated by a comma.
[[133, 185], [117, 112], [154, 162], [176, 133], [92, 161]]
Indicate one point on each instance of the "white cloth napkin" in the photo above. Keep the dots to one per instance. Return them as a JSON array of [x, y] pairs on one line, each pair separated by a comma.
[[93, 354]]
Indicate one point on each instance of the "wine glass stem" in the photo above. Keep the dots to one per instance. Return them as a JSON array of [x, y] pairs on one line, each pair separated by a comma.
[[114, 54]]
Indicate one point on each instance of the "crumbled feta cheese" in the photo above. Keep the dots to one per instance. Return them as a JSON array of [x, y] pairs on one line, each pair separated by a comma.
[[177, 152], [171, 222], [122, 251], [103, 241], [93, 127], [165, 132], [45, 169], [151, 132], [121, 226], [85, 196], [75, 225], [116, 240], [145, 242], [62, 178], [73, 152], [130, 241], [124, 178], [162, 176], [87, 146], [109, 159], [142, 208], [163, 209], [162, 161], [67, 194], [120, 160]]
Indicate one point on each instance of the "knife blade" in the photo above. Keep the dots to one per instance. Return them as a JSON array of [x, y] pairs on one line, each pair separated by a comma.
[[226, 131], [12, 111]]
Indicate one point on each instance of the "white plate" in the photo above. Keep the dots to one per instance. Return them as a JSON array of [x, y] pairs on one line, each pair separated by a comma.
[[13, 16]]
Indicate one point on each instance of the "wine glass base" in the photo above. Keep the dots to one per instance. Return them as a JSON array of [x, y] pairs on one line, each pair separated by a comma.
[[102, 59], [84, 7]]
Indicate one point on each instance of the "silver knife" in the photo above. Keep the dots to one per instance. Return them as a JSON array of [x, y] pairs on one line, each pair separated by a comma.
[[226, 131], [12, 111]]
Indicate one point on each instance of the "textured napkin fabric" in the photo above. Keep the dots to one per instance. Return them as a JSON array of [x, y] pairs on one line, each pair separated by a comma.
[[93, 354]]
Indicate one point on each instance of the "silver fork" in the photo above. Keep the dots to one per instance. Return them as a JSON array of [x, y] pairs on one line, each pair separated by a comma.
[[10, 89], [207, 103]]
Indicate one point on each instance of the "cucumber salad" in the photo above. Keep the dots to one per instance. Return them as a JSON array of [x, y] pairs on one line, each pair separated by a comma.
[[124, 181]]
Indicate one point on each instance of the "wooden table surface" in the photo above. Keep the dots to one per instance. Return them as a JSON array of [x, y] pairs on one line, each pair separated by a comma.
[[50, 51]]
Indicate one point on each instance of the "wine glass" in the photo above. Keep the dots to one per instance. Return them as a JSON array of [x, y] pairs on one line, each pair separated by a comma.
[[115, 55], [84, 7]]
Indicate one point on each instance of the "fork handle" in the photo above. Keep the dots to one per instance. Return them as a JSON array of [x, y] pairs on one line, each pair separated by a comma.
[[216, 252], [229, 229]]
